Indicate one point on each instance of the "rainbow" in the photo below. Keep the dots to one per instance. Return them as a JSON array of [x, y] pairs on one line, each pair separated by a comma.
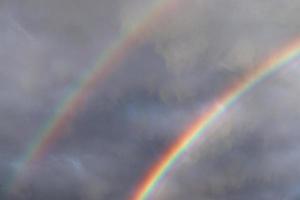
[[197, 128], [107, 63]]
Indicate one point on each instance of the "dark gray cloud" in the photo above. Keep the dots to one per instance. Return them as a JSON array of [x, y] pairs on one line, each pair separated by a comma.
[[191, 56]]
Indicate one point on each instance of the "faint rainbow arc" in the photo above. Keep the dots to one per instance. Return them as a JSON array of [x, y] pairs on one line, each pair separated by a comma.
[[197, 128], [76, 98]]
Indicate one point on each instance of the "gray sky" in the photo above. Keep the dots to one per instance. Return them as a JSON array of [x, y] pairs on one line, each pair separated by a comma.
[[189, 58]]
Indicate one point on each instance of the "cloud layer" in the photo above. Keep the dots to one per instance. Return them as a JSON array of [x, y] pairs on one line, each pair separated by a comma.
[[190, 57]]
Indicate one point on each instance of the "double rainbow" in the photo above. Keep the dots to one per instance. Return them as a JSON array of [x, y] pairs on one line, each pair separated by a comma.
[[66, 111]]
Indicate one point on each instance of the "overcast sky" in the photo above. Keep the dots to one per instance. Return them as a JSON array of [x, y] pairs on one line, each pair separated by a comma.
[[189, 58]]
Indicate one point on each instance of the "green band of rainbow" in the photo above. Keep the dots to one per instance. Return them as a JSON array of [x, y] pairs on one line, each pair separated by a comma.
[[107, 63], [198, 127]]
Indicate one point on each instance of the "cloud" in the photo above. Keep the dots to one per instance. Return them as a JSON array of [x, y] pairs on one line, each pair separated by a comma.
[[189, 59]]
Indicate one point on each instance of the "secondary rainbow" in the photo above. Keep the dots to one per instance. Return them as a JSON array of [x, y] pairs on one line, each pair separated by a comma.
[[107, 63], [197, 128]]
